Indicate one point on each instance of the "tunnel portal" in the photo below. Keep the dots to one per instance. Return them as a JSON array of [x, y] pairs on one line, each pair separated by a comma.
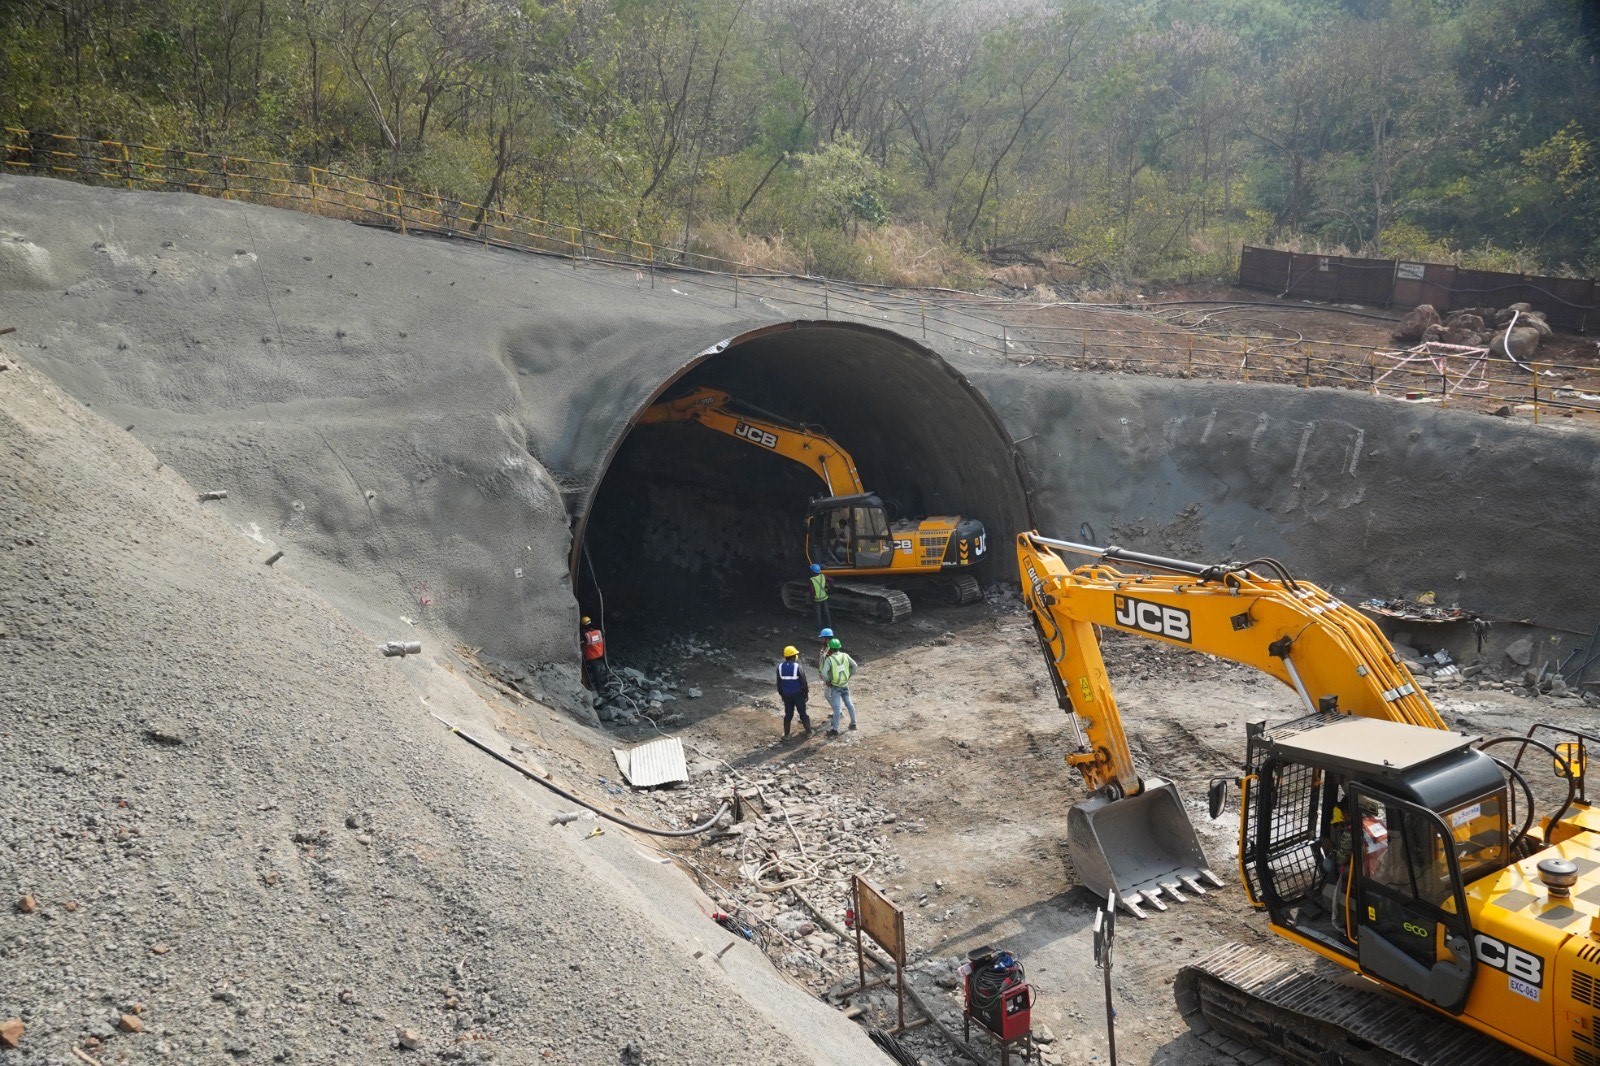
[[683, 516]]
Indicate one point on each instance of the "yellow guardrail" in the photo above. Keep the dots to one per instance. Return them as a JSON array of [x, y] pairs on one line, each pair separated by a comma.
[[1441, 378]]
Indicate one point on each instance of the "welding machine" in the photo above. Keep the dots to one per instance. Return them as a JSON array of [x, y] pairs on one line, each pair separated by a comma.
[[998, 995]]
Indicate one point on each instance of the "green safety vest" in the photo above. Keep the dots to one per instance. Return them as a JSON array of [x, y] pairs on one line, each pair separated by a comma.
[[837, 668], [819, 587]]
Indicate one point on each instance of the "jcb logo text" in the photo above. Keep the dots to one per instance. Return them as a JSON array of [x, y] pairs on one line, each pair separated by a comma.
[[1518, 964], [1170, 622], [755, 436]]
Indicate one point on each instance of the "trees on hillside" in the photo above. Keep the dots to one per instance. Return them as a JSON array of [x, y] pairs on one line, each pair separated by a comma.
[[1147, 138]]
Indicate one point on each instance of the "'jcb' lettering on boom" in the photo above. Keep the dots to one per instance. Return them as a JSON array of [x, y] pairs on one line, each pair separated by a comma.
[[1170, 622], [755, 436]]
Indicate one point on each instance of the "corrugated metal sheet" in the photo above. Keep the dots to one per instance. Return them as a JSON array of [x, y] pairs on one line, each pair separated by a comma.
[[660, 762]]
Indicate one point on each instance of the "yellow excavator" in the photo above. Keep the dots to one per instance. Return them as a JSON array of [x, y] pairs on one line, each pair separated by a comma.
[[1371, 835], [848, 531]]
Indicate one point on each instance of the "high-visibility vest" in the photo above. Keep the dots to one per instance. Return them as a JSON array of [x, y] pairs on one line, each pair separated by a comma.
[[789, 678], [594, 645], [819, 587], [837, 668]]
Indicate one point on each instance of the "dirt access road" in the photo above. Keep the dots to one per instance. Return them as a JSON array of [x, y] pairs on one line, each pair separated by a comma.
[[953, 794]]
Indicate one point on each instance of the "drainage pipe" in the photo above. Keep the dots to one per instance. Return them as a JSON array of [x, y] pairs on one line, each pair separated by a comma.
[[571, 798]]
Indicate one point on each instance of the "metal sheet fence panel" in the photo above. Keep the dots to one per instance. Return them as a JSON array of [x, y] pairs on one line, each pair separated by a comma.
[[1263, 268], [1573, 303], [1366, 281], [1313, 277], [1489, 288]]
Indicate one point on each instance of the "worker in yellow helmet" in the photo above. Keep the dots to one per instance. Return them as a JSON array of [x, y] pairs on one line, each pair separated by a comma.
[[793, 687]]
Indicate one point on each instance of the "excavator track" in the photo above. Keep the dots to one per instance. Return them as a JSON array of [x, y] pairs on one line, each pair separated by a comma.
[[960, 590], [872, 603], [1254, 1008]]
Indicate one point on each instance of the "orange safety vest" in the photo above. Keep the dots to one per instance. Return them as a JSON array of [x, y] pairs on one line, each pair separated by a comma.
[[594, 645]]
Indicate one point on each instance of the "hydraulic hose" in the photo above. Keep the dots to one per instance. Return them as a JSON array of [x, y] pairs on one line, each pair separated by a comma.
[[571, 798]]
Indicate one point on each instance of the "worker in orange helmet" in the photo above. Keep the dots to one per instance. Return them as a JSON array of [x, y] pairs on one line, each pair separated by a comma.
[[594, 653]]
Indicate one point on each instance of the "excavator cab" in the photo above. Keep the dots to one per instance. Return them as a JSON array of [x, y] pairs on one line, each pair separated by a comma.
[[1363, 836], [849, 532]]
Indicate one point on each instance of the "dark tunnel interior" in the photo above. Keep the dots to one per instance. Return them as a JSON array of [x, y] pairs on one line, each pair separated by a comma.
[[686, 517]]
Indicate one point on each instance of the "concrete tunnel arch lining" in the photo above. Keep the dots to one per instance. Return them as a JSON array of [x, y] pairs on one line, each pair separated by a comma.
[[921, 434]]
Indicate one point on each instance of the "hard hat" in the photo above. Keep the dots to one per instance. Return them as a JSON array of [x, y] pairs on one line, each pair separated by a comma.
[[834, 645], [826, 633], [585, 620], [815, 569], [790, 650]]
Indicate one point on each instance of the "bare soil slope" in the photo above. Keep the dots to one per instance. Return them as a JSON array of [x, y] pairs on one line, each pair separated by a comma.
[[228, 818]]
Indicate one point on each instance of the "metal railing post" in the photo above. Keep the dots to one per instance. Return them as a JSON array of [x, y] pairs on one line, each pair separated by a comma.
[[1005, 341]]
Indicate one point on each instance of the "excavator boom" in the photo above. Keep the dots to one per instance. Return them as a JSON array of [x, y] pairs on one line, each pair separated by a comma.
[[1133, 835], [761, 429]]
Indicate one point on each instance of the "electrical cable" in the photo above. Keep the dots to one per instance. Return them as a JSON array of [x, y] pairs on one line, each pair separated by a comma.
[[990, 984], [572, 798], [892, 1047]]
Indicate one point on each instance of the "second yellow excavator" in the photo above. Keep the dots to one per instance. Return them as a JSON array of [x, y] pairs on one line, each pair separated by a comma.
[[1371, 835], [848, 531]]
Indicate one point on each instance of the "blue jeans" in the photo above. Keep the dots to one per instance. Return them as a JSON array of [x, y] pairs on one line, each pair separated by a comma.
[[836, 698]]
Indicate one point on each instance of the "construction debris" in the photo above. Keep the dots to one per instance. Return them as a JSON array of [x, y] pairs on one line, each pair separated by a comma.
[[1416, 611], [660, 762], [401, 647]]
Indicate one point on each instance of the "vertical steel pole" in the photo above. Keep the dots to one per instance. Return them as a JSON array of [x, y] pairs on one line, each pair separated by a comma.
[[1105, 932]]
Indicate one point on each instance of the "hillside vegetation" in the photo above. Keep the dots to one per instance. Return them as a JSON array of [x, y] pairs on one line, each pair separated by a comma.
[[891, 140]]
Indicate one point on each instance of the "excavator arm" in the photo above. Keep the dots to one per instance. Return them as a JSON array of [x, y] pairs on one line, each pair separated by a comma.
[[1331, 655], [792, 440], [1133, 835]]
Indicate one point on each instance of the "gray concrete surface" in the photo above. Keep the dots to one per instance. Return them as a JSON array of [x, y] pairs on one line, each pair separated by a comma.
[[426, 421]]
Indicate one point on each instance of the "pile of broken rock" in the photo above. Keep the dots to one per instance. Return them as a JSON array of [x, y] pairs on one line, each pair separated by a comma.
[[1513, 331]]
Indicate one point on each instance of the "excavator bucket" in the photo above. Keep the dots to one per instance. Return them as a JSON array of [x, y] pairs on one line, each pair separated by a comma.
[[1142, 848]]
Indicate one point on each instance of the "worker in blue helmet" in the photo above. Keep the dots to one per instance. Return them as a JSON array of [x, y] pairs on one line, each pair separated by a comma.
[[822, 645], [820, 584]]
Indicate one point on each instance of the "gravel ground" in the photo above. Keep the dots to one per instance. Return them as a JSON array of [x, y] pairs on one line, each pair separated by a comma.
[[233, 832]]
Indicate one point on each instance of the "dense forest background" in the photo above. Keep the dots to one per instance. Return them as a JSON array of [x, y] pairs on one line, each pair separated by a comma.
[[893, 140]]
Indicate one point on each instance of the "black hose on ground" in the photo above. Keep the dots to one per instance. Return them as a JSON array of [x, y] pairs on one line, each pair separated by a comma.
[[569, 797]]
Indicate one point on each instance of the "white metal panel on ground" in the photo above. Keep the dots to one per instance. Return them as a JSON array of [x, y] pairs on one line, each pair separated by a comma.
[[660, 762]]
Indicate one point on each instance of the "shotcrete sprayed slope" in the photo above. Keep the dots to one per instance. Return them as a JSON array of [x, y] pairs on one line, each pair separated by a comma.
[[1370, 497], [427, 418], [360, 395], [423, 415], [230, 809]]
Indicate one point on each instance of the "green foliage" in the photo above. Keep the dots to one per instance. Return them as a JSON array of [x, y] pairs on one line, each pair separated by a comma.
[[870, 138]]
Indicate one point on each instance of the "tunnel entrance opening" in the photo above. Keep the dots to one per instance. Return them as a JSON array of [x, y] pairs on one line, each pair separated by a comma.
[[688, 524]]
